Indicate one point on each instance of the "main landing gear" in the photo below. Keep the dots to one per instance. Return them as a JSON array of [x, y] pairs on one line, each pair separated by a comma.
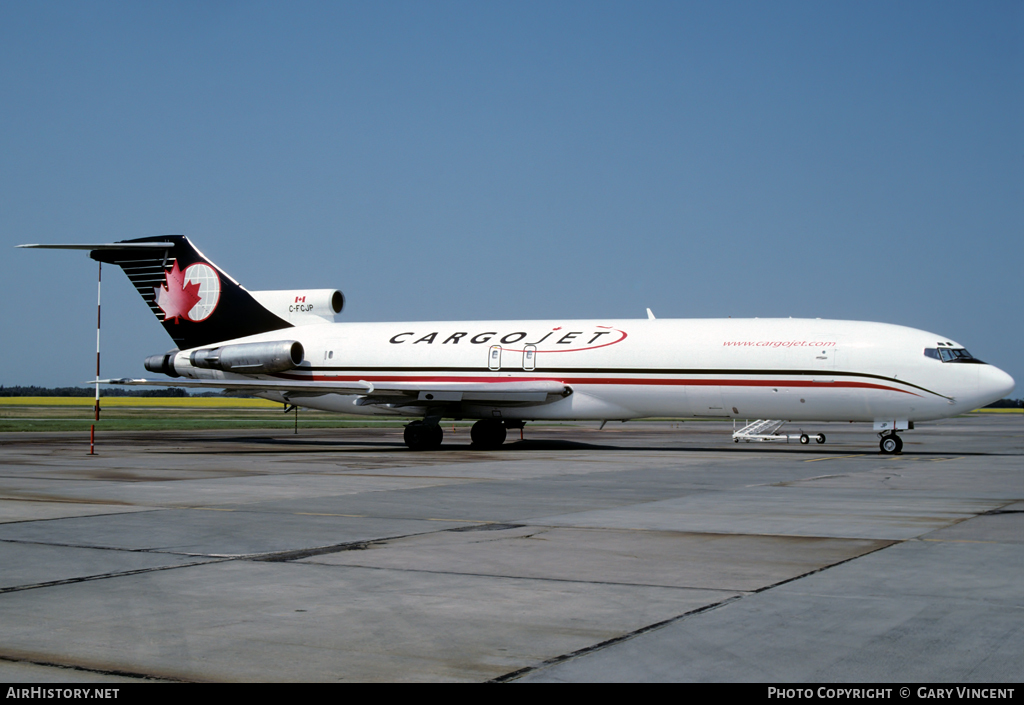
[[487, 434], [891, 444], [423, 435]]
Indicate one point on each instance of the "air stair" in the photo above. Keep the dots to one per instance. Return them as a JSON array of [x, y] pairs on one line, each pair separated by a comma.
[[763, 430]]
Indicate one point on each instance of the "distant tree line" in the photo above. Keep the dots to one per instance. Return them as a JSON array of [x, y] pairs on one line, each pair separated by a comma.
[[1007, 404], [34, 391]]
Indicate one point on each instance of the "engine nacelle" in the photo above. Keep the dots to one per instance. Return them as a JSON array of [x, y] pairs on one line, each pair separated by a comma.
[[163, 363], [302, 306], [250, 358]]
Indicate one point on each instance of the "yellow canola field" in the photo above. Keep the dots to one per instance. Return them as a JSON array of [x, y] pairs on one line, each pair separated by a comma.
[[168, 402]]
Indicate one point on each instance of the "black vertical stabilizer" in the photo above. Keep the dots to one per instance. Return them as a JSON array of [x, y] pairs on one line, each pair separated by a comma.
[[197, 302]]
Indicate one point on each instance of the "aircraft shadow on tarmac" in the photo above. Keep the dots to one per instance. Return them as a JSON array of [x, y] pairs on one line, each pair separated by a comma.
[[300, 445]]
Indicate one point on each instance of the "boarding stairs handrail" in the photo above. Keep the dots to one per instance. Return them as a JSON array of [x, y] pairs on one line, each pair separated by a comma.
[[760, 430]]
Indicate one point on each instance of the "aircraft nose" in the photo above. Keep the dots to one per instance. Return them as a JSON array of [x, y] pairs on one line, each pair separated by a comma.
[[995, 383]]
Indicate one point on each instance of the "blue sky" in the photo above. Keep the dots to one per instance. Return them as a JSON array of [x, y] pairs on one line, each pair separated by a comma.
[[443, 160]]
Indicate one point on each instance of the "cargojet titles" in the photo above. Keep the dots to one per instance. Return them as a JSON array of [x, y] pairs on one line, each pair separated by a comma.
[[557, 339]]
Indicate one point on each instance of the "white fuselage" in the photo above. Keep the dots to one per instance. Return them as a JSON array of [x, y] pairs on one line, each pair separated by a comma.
[[793, 369]]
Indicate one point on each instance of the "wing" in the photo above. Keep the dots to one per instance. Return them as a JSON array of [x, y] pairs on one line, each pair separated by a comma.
[[390, 394], [527, 393]]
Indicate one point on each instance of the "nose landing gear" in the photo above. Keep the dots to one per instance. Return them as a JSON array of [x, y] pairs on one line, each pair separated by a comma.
[[891, 444]]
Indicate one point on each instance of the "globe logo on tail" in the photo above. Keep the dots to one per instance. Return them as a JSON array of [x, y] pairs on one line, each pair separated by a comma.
[[191, 295]]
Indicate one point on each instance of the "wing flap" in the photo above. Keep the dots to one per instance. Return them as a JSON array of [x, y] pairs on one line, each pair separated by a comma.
[[412, 393]]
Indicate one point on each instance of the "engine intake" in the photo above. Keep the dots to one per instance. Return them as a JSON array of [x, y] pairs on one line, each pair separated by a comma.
[[302, 307], [250, 358]]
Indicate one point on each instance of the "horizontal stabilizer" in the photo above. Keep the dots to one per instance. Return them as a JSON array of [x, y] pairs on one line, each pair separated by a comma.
[[106, 246]]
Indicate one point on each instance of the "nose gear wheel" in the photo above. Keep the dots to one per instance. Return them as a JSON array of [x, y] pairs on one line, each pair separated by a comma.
[[891, 444]]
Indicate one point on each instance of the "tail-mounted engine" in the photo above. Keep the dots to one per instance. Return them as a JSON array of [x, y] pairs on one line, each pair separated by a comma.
[[302, 306], [244, 358], [163, 363], [251, 358]]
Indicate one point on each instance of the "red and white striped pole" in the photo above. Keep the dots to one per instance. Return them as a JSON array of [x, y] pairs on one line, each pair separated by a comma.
[[92, 428]]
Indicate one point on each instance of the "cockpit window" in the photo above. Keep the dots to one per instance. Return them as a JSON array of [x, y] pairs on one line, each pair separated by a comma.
[[951, 355]]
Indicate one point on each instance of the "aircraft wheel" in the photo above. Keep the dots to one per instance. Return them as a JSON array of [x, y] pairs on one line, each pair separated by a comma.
[[436, 436], [891, 444], [487, 433], [423, 436], [804, 439], [820, 438]]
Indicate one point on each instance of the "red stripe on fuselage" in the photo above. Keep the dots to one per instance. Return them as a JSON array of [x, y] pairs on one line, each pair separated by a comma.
[[664, 381]]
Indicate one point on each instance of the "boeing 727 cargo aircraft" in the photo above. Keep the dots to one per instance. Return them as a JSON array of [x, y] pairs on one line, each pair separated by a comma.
[[285, 346]]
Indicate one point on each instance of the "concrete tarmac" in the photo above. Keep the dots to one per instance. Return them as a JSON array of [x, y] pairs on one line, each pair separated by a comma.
[[648, 551]]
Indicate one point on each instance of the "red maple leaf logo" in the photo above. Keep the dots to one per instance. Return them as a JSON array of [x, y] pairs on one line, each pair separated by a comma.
[[176, 298]]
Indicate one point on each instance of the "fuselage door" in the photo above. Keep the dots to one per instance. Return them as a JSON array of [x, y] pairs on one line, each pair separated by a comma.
[[530, 357], [494, 358]]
